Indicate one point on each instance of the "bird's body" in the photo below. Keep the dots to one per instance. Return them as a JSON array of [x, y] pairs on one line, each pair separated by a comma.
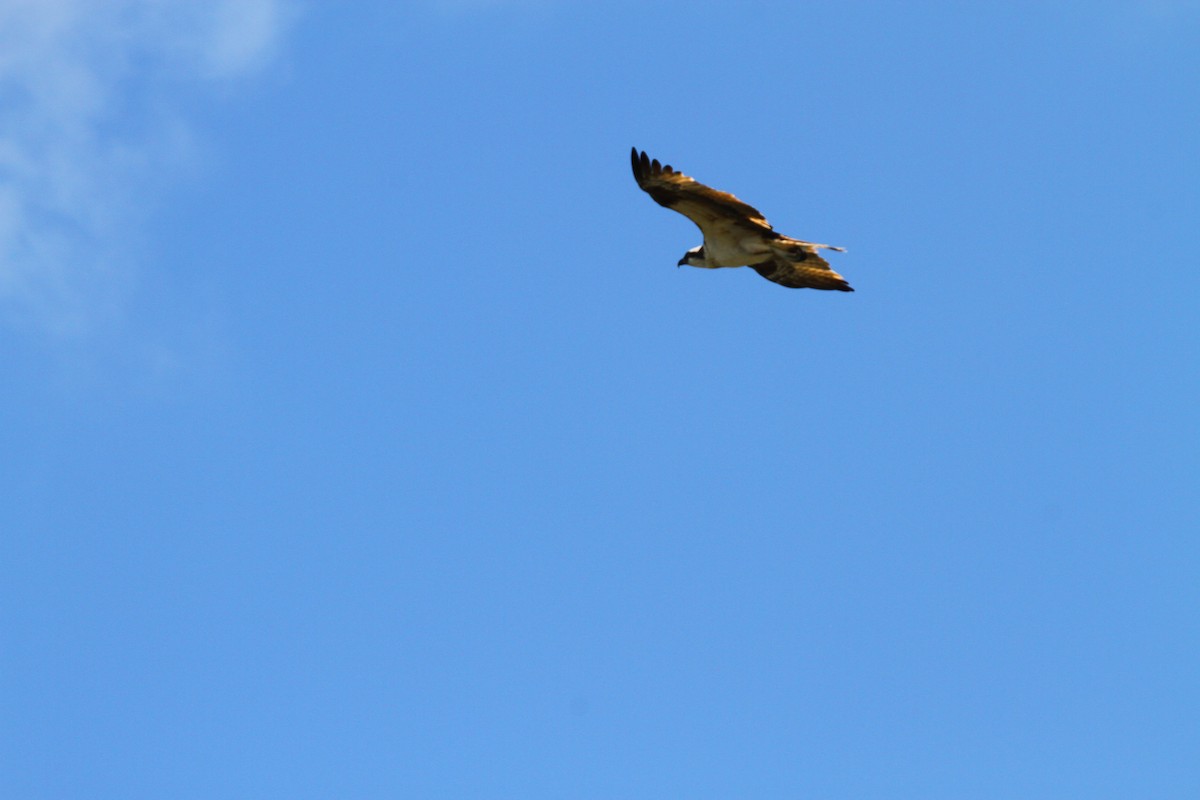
[[735, 234]]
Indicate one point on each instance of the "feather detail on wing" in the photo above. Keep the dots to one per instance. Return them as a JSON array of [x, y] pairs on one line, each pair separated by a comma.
[[699, 203], [801, 268]]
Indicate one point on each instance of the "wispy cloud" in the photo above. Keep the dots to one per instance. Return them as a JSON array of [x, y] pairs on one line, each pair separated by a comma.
[[460, 6], [1167, 8], [87, 126]]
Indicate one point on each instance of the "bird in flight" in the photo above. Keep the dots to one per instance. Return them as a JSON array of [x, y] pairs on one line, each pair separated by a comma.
[[736, 234]]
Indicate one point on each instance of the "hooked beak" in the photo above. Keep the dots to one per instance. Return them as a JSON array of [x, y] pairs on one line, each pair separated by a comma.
[[682, 261]]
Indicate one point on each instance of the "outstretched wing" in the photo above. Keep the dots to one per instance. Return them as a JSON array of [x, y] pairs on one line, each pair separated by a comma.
[[701, 204], [804, 269]]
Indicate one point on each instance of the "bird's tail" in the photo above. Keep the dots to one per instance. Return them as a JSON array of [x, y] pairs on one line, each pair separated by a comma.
[[786, 242]]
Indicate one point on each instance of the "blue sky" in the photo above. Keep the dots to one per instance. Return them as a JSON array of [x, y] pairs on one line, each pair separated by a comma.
[[362, 439]]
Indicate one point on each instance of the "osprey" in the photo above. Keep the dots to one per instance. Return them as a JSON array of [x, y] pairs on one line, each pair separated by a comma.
[[735, 234]]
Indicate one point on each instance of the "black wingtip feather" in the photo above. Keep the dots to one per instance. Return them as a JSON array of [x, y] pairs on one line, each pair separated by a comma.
[[641, 166]]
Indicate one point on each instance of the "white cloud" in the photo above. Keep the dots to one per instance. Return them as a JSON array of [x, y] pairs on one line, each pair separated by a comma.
[[86, 128]]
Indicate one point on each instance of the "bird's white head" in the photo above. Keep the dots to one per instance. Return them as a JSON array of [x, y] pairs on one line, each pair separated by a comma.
[[694, 258]]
